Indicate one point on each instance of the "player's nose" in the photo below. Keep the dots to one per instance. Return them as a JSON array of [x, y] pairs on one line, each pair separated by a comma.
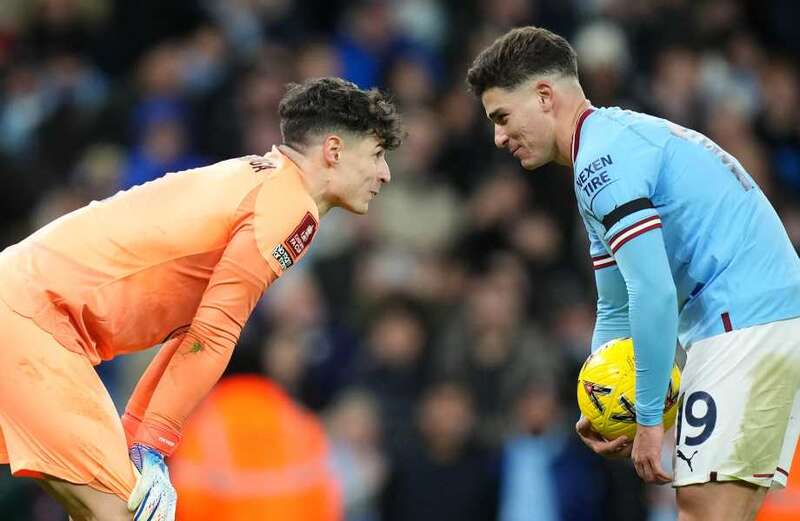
[[500, 137], [384, 173]]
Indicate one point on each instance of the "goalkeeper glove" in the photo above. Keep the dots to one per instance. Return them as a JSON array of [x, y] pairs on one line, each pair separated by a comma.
[[153, 498]]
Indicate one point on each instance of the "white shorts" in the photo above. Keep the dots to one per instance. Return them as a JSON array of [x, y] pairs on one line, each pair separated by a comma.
[[739, 415]]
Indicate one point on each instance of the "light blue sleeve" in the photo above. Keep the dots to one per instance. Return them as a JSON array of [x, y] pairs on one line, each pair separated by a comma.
[[627, 171], [612, 307], [653, 304], [612, 294]]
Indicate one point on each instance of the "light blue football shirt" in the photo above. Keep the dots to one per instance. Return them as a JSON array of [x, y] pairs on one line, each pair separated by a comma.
[[646, 185]]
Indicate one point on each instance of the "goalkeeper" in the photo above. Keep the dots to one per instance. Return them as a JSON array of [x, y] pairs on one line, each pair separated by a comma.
[[181, 261]]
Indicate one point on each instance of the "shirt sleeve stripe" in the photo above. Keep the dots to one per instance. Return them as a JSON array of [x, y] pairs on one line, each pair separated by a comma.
[[603, 261], [633, 231]]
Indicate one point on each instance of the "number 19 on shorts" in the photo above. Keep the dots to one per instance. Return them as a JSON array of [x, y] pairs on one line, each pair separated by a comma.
[[701, 414]]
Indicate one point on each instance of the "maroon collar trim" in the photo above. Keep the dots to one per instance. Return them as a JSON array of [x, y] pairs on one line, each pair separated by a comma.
[[576, 137]]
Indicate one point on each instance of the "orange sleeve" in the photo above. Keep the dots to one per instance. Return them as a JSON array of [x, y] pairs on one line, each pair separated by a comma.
[[202, 354], [140, 399]]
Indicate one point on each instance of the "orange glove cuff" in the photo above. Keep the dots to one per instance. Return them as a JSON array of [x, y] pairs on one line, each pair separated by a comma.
[[163, 440], [130, 424]]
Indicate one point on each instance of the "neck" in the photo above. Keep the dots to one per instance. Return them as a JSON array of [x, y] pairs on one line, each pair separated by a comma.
[[566, 129], [312, 176]]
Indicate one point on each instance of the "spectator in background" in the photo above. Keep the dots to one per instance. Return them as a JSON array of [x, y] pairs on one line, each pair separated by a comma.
[[205, 61], [779, 123], [64, 26], [495, 206], [424, 22], [549, 472], [422, 214], [394, 369], [98, 172], [367, 40], [538, 244], [11, 23], [76, 91], [674, 92], [318, 59], [25, 107], [463, 157], [323, 350], [729, 126], [411, 82], [160, 119], [490, 346], [164, 144], [284, 358], [444, 473], [357, 457], [416, 224], [605, 63], [505, 14], [527, 483], [370, 40], [250, 452], [242, 110]]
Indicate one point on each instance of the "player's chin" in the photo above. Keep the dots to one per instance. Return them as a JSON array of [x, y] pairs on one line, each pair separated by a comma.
[[530, 164], [356, 207], [360, 208]]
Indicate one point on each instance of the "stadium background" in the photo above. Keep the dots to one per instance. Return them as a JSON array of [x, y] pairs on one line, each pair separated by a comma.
[[436, 339]]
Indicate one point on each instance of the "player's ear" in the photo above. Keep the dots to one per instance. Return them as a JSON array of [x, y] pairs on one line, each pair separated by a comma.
[[544, 94], [332, 149]]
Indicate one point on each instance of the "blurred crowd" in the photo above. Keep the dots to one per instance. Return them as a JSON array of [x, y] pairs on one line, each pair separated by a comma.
[[438, 338]]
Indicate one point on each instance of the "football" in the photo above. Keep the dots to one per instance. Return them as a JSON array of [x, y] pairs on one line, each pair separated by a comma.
[[607, 390]]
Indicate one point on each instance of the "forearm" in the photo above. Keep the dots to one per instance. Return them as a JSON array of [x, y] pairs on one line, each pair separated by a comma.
[[653, 316], [612, 307], [196, 365], [608, 327], [143, 393], [654, 329]]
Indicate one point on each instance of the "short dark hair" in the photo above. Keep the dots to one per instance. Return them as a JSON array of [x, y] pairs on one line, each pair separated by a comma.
[[328, 104], [517, 56]]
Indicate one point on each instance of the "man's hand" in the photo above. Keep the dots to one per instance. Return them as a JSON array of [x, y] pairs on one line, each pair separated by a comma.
[[646, 454], [153, 497], [617, 448]]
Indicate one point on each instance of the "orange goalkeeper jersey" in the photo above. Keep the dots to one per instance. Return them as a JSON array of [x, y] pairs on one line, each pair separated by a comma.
[[185, 256]]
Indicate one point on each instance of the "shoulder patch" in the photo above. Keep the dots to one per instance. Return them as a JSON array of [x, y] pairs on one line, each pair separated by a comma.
[[280, 254], [301, 237], [284, 220]]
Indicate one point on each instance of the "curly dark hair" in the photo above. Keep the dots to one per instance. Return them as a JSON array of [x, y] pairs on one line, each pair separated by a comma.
[[327, 104], [517, 56]]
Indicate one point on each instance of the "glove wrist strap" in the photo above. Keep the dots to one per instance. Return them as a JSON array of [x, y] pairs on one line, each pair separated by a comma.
[[158, 438]]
